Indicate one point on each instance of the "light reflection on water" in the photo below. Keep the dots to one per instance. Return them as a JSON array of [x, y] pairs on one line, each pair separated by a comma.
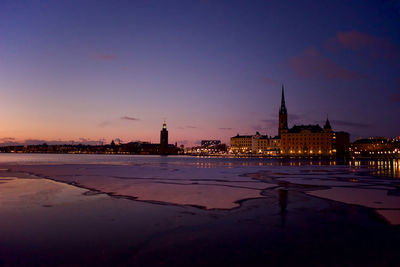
[[385, 168]]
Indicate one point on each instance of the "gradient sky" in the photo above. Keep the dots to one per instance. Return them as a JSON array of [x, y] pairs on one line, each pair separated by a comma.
[[93, 70]]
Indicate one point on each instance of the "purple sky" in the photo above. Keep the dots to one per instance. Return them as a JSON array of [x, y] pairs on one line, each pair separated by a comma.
[[93, 70]]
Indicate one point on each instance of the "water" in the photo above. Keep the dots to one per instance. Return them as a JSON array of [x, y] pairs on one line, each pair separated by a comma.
[[121, 209], [383, 168]]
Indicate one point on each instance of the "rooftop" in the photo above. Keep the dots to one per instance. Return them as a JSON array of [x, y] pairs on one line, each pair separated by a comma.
[[312, 128]]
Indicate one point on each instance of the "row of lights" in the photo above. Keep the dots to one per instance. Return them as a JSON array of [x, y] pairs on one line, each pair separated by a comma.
[[310, 152]]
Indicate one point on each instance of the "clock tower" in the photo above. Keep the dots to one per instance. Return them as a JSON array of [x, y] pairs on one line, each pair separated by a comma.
[[164, 140]]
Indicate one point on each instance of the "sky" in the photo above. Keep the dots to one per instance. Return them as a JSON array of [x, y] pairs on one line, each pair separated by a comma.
[[91, 71]]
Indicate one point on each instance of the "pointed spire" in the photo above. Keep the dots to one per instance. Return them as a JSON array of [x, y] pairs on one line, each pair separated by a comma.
[[327, 123], [283, 104]]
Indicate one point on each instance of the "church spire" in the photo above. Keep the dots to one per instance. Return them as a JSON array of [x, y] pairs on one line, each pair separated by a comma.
[[283, 104], [327, 125], [283, 125]]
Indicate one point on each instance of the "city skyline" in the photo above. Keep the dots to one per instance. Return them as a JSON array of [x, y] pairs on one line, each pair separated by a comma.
[[98, 70]]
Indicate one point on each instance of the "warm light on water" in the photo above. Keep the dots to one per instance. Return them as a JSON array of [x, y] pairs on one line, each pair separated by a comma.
[[387, 168]]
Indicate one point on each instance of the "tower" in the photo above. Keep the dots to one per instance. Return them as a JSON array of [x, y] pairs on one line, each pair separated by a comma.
[[327, 126], [283, 126], [164, 140]]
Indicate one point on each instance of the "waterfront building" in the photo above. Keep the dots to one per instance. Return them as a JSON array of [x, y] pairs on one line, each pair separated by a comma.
[[375, 147], [210, 143], [255, 144], [259, 143], [310, 140], [307, 140], [241, 144], [300, 140], [275, 145]]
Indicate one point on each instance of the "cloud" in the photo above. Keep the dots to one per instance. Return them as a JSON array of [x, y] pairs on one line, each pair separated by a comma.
[[257, 127], [225, 128], [269, 81], [186, 127], [295, 117], [348, 124], [7, 139], [104, 57], [182, 142], [270, 121], [127, 118], [104, 124], [291, 117], [312, 65], [363, 42]]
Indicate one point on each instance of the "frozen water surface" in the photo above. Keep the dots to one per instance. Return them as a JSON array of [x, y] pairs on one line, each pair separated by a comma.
[[217, 183], [33, 193], [371, 198]]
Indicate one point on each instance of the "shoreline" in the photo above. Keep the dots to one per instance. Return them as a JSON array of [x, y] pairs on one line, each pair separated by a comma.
[[240, 156]]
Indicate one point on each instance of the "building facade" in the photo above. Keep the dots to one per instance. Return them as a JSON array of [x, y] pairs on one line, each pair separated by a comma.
[[376, 147], [241, 144], [300, 140], [310, 140], [307, 140], [210, 143], [255, 144]]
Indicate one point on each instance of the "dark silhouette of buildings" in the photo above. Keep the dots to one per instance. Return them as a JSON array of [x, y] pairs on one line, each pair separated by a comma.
[[164, 140], [146, 148], [283, 125], [142, 148]]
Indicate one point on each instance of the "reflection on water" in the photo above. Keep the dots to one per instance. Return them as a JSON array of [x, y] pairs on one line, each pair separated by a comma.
[[283, 202], [387, 168], [283, 199]]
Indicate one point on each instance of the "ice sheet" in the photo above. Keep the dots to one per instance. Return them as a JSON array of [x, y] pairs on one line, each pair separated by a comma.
[[33, 193], [371, 198], [211, 188]]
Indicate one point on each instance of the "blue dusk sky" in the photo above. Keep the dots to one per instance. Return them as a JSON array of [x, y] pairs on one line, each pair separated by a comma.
[[100, 70]]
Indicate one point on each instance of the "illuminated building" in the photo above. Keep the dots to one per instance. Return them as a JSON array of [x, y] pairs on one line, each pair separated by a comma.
[[241, 144], [300, 140], [310, 140], [307, 140], [210, 143], [255, 144], [375, 147]]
